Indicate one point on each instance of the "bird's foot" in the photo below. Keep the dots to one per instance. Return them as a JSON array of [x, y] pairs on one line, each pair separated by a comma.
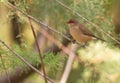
[[73, 41]]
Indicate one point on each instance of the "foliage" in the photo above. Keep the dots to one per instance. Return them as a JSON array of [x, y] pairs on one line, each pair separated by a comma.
[[52, 62], [101, 61], [101, 65], [12, 61]]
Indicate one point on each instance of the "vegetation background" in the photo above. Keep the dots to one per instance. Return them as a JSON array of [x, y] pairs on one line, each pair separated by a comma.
[[97, 62]]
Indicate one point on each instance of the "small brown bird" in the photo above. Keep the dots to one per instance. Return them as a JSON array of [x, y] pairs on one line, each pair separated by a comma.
[[79, 32]]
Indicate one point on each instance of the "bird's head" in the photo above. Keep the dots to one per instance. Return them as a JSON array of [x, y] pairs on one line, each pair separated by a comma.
[[72, 21]]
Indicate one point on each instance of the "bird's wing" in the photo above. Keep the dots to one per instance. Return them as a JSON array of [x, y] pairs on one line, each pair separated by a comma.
[[85, 31]]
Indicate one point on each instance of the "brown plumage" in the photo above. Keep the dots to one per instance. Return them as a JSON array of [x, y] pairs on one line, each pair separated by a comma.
[[79, 32]]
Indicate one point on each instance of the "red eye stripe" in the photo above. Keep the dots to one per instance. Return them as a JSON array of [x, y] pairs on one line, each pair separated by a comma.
[[70, 21]]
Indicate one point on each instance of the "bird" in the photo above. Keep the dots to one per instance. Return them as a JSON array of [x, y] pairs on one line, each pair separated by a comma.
[[80, 33]]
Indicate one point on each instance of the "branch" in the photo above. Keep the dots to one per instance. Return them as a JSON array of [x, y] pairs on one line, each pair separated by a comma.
[[59, 45], [68, 65], [38, 48], [27, 63]]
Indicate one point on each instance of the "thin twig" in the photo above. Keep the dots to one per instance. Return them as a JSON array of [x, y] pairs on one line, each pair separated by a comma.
[[26, 62], [91, 23], [8, 78], [38, 48], [68, 65]]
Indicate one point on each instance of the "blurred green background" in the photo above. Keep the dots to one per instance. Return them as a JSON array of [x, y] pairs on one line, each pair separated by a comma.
[[101, 58]]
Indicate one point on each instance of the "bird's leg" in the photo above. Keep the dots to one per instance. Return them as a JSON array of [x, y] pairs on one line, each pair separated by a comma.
[[73, 41]]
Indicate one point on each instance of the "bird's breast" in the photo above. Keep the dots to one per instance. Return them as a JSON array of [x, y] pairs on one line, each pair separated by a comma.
[[78, 35]]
